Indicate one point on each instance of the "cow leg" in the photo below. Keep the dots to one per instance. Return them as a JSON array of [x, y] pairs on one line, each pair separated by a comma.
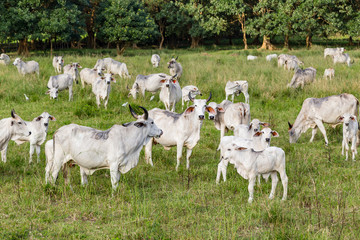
[[115, 177], [188, 154], [321, 127], [84, 180], [70, 93], [179, 149], [274, 181], [343, 146], [246, 97], [38, 152], [346, 149], [353, 147], [313, 133], [106, 102], [222, 130], [148, 152], [66, 173], [32, 150], [284, 180], [251, 188], [232, 97], [98, 101], [3, 153], [222, 167]]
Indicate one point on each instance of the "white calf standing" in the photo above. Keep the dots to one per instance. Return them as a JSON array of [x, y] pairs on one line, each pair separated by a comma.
[[170, 93], [4, 59], [193, 90], [330, 72], [235, 88], [26, 67], [58, 83], [175, 68], [101, 88], [73, 69], [89, 76], [350, 133], [155, 60], [58, 64]]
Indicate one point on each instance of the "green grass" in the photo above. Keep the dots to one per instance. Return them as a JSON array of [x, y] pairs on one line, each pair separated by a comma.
[[160, 203]]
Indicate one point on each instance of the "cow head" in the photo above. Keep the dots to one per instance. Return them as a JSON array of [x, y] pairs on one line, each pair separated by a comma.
[[172, 62], [44, 118], [294, 133], [18, 127], [145, 122], [108, 78], [60, 60], [199, 107], [53, 92], [17, 62], [134, 90], [266, 135], [256, 124], [168, 81], [347, 119]]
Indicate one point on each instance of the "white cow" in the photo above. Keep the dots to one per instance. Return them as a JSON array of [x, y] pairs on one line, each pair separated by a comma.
[[11, 128], [302, 77], [175, 68], [332, 51], [26, 67], [90, 76], [58, 83], [113, 67], [316, 111], [4, 59], [250, 163], [235, 88], [270, 57], [155, 60], [150, 83], [193, 90], [117, 148], [350, 134], [58, 64], [38, 127], [329, 72], [170, 93], [180, 130], [102, 87], [342, 58], [291, 64], [73, 69], [251, 57], [283, 57]]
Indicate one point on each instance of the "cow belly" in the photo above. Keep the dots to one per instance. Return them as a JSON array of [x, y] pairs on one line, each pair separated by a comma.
[[90, 159]]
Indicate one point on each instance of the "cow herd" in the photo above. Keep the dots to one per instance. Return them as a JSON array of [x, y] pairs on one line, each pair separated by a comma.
[[118, 148]]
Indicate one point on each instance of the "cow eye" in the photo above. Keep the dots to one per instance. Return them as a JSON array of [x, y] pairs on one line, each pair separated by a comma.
[[19, 122], [152, 122]]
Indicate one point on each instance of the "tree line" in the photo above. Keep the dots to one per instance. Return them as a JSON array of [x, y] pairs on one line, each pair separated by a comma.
[[123, 23]]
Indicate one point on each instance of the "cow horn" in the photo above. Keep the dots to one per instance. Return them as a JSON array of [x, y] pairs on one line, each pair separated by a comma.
[[132, 112], [208, 98], [127, 87], [173, 77], [190, 98], [146, 114], [290, 126], [176, 57], [13, 113]]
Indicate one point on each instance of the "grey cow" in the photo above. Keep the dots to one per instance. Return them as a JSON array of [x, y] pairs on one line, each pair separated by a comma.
[[302, 77]]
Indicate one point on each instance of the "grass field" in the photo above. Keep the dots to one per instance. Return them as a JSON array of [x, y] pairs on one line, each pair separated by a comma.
[[160, 203]]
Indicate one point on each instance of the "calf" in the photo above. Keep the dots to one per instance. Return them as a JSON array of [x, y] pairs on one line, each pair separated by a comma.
[[26, 67], [251, 57], [175, 68], [89, 76], [73, 69], [250, 163], [332, 51], [101, 88], [150, 83], [170, 93], [58, 83], [4, 59], [302, 77], [330, 72], [235, 88], [155, 60], [193, 90], [58, 64], [341, 58], [350, 134], [270, 57], [12, 128], [291, 64], [39, 128]]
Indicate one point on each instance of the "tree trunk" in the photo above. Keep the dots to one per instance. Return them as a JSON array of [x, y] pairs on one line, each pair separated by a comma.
[[286, 42], [23, 48], [267, 44], [195, 42], [351, 43], [162, 32], [308, 41], [119, 50], [90, 26], [243, 29], [51, 48]]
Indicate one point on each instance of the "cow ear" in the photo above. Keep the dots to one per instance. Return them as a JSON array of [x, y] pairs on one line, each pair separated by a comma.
[[275, 134], [113, 80], [174, 80], [257, 134], [250, 126], [162, 80], [240, 148], [220, 109], [38, 118], [52, 118], [189, 110], [290, 126], [140, 124], [47, 92], [265, 124], [210, 110], [352, 117], [340, 119]]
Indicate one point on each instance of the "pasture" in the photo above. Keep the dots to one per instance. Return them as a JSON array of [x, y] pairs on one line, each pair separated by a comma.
[[160, 203]]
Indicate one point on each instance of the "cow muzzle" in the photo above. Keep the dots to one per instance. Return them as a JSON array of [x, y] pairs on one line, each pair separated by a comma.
[[346, 124], [161, 133], [46, 124], [267, 139], [201, 117], [211, 117]]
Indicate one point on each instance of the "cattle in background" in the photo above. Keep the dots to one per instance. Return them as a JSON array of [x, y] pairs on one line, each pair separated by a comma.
[[271, 57], [330, 72], [180, 130], [117, 148], [150, 83], [282, 58], [90, 76], [4, 59], [175, 68], [101, 88], [235, 88], [26, 67], [58, 64], [251, 57], [12, 128], [170, 93], [302, 77], [342, 58], [316, 111], [291, 64], [332, 51], [350, 134], [58, 83], [113, 67], [193, 90], [155, 60], [73, 70], [39, 128]]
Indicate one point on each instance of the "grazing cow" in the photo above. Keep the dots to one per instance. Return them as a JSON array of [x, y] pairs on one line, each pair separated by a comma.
[[12, 128], [270, 57], [193, 90], [235, 88], [283, 57], [26, 67], [350, 134], [101, 88], [175, 68], [330, 72], [73, 69], [341, 58], [180, 130], [39, 128], [302, 77], [90, 76], [155, 60], [250, 163], [58, 64], [316, 111], [113, 67], [332, 51], [117, 148], [4, 59], [150, 83], [251, 57], [170, 93], [58, 83], [291, 64]]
